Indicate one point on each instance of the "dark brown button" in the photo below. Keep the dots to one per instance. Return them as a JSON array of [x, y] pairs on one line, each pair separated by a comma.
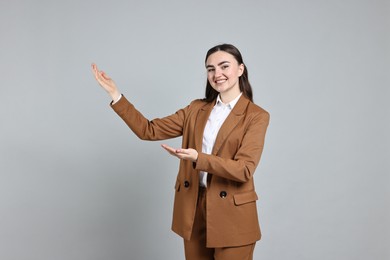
[[223, 194], [186, 184]]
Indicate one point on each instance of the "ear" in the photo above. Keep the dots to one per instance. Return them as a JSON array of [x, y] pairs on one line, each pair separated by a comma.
[[241, 69]]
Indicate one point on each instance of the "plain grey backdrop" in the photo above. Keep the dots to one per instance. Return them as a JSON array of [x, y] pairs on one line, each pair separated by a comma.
[[75, 182]]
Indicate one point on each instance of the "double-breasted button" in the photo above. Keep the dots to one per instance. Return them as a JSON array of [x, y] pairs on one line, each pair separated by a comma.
[[223, 194], [186, 184]]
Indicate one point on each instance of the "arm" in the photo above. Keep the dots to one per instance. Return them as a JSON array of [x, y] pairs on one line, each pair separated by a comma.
[[243, 164], [157, 129]]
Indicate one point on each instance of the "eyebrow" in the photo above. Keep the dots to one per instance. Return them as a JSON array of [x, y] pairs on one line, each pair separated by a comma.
[[219, 64]]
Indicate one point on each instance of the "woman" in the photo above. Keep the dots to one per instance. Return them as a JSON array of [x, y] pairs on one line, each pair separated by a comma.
[[222, 141]]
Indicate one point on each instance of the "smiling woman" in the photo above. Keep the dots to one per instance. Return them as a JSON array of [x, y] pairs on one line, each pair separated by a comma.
[[222, 141]]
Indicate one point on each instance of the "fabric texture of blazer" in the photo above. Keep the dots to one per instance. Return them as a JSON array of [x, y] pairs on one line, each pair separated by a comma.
[[232, 218]]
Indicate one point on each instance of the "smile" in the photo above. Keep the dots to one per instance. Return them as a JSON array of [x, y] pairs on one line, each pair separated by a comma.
[[220, 81]]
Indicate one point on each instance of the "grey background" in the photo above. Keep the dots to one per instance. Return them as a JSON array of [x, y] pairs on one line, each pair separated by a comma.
[[75, 183]]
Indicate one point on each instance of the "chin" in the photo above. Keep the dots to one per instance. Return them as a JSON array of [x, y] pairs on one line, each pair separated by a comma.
[[219, 89]]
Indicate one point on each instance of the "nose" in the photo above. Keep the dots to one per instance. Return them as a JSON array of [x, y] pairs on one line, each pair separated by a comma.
[[217, 73]]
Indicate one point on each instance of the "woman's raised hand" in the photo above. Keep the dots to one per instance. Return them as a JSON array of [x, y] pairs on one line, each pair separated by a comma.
[[106, 82]]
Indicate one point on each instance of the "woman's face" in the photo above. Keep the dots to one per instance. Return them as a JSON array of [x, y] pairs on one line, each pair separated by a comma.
[[223, 72]]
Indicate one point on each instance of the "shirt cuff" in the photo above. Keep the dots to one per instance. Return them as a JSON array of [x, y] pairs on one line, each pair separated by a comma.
[[114, 101]]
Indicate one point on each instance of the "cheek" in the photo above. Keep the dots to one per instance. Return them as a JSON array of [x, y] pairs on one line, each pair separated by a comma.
[[210, 78], [234, 74]]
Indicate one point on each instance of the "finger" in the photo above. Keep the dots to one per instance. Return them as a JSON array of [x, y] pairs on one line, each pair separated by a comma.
[[94, 68], [100, 76], [95, 71], [168, 148], [105, 76], [173, 154], [165, 147], [182, 151]]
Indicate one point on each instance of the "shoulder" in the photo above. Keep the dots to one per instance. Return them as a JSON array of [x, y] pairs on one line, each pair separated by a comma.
[[197, 104], [253, 108], [256, 114], [193, 108]]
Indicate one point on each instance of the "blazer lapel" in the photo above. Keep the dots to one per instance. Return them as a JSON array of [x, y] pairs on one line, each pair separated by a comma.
[[200, 124], [231, 121]]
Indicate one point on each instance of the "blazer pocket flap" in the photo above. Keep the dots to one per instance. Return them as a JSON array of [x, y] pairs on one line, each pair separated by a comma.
[[243, 198], [177, 185]]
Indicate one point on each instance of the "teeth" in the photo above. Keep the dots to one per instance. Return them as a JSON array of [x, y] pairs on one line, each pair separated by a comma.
[[221, 81]]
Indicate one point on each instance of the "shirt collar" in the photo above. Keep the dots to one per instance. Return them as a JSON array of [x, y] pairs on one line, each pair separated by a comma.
[[231, 104]]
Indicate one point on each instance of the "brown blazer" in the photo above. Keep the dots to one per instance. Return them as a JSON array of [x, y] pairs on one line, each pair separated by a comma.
[[231, 198]]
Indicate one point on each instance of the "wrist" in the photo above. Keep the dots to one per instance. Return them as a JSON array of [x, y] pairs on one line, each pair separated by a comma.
[[196, 157], [115, 95]]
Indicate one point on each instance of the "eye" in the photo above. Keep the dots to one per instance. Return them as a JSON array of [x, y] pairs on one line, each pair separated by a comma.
[[224, 66], [210, 69]]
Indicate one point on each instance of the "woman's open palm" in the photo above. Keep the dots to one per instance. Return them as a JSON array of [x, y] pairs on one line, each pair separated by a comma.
[[105, 82]]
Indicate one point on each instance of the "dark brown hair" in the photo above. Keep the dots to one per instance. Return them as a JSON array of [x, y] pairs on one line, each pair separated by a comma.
[[243, 80]]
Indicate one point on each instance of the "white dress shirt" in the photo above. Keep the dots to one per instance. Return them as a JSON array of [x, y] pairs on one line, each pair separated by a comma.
[[217, 116]]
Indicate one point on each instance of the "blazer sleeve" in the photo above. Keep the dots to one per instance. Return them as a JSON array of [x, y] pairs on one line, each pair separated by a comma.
[[243, 165], [156, 129]]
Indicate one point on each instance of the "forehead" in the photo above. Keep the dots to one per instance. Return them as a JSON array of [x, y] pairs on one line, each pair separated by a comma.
[[218, 57]]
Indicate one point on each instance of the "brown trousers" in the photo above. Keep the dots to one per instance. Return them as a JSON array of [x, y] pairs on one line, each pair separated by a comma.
[[195, 248]]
